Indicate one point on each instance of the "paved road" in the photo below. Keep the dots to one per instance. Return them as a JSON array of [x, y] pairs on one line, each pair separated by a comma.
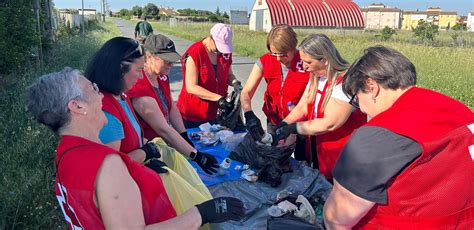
[[241, 67]]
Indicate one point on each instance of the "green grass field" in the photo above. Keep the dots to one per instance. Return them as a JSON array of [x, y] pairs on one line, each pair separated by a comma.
[[443, 67], [27, 199]]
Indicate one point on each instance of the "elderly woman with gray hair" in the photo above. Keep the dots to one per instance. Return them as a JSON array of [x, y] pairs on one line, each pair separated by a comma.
[[324, 110], [100, 187]]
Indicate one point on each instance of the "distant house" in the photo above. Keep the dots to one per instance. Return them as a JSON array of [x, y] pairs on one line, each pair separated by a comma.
[[239, 17], [170, 12], [470, 21], [305, 13], [377, 16], [434, 15]]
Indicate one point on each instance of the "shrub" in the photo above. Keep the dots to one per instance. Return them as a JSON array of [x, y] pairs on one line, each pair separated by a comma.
[[425, 31], [386, 33]]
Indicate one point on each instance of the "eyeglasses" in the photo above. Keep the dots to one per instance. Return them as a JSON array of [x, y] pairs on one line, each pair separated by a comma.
[[354, 101], [133, 50], [95, 87], [278, 54]]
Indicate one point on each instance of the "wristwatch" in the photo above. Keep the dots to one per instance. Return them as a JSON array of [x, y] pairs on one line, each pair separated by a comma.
[[192, 155]]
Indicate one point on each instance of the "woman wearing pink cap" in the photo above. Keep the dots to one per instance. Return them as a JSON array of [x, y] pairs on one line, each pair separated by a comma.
[[207, 73]]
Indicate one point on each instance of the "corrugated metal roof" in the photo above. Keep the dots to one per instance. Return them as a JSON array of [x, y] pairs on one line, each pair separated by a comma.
[[320, 13]]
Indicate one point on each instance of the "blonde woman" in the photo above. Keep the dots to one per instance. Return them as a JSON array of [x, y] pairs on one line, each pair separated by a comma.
[[324, 108]]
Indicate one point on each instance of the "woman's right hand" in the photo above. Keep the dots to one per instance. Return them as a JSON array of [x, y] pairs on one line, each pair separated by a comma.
[[221, 209]]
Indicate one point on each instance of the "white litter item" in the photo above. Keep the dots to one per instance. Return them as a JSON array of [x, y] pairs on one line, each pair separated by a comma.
[[282, 194], [305, 211], [217, 128], [208, 138], [237, 167], [231, 142], [206, 127], [275, 211], [287, 206], [267, 139], [224, 166], [249, 175], [224, 134], [245, 167]]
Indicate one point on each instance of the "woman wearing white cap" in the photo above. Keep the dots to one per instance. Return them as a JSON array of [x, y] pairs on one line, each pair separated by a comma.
[[207, 73]]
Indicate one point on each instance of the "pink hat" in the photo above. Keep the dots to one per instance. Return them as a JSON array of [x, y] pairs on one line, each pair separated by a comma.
[[222, 35]]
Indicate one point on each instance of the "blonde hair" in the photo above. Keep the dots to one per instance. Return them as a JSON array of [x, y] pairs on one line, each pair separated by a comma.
[[319, 47], [283, 38]]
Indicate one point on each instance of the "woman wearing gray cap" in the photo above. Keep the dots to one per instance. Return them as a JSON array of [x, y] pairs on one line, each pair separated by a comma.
[[207, 73], [151, 99]]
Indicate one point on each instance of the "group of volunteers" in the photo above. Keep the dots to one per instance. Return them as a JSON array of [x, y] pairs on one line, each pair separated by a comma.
[[399, 156]]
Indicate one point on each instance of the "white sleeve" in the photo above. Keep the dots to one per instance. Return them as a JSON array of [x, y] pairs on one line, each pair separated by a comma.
[[339, 94]]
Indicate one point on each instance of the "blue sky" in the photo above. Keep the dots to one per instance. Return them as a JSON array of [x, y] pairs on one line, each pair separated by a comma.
[[463, 7]]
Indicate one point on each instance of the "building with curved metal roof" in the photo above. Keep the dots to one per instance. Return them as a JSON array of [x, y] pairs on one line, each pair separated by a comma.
[[305, 13]]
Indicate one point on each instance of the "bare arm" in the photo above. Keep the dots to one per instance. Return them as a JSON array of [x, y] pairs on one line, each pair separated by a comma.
[[335, 115], [231, 77], [250, 87], [176, 119], [192, 85], [300, 110], [112, 195], [137, 155], [343, 209], [148, 109]]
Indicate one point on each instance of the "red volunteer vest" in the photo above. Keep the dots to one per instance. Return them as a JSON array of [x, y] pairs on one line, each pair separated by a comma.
[[193, 108], [81, 160], [131, 140], [329, 145], [279, 93], [143, 88], [436, 190]]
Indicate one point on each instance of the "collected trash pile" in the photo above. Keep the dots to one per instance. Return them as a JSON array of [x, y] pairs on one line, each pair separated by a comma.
[[272, 161]]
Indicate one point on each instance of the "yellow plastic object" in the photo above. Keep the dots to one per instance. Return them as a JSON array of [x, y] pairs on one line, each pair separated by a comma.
[[183, 185]]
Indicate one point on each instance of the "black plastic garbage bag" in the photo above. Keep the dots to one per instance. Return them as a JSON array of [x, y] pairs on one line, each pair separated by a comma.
[[259, 155], [230, 117], [290, 221]]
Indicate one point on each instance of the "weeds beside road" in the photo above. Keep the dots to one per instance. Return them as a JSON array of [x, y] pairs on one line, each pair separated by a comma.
[[27, 199], [443, 66]]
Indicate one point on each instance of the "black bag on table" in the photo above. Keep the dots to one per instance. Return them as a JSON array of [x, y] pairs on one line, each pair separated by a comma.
[[231, 117]]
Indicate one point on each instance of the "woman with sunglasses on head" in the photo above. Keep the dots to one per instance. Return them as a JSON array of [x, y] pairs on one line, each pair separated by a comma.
[[207, 74], [323, 111], [282, 69], [97, 186], [411, 166], [151, 99]]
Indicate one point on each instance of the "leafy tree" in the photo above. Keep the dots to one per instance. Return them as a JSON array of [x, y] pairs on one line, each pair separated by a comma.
[[459, 26], [425, 31], [225, 15], [124, 13], [137, 11], [218, 12], [386, 33], [151, 11]]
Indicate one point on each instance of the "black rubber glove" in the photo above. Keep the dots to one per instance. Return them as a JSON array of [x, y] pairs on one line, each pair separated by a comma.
[[185, 136], [207, 162], [151, 151], [282, 123], [157, 166], [221, 209], [283, 132], [254, 127]]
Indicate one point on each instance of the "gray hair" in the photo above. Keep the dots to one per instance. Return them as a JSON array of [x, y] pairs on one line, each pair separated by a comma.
[[48, 97]]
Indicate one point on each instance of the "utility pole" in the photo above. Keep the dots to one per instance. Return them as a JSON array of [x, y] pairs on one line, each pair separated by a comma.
[[82, 21], [104, 6]]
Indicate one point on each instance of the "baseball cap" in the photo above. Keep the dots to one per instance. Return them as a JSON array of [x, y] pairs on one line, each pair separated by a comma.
[[162, 47], [222, 36]]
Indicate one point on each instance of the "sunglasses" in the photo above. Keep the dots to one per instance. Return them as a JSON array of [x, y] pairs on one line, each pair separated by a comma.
[[354, 101], [133, 50], [278, 54]]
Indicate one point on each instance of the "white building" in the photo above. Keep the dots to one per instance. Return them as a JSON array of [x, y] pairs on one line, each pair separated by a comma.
[[88, 11], [377, 16], [470, 21]]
